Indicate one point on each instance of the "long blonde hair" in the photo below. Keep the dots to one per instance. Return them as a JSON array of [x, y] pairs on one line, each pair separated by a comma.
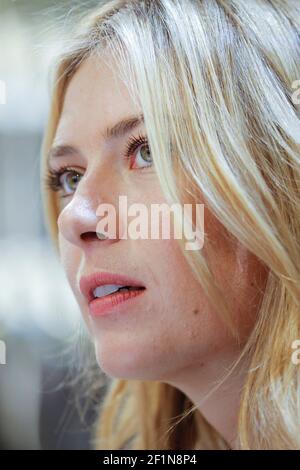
[[214, 80]]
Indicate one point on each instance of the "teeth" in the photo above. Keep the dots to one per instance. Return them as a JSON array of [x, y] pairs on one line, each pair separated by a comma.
[[107, 289]]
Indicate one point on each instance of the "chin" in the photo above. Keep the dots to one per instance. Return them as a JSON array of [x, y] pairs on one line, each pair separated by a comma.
[[131, 365]]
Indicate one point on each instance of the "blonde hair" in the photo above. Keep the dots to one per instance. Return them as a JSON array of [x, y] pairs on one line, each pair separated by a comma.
[[214, 81]]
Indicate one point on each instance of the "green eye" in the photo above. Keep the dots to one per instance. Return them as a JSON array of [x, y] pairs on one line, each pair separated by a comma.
[[146, 155], [69, 181], [65, 180], [143, 158], [139, 153]]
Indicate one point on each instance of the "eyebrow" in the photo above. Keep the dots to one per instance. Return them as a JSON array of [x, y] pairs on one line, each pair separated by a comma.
[[61, 151], [118, 130], [122, 127]]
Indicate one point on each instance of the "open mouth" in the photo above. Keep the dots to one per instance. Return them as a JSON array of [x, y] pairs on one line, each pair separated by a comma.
[[109, 289], [104, 291], [108, 296]]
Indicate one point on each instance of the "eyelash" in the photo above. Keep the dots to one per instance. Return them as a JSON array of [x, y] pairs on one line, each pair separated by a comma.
[[52, 179], [133, 144]]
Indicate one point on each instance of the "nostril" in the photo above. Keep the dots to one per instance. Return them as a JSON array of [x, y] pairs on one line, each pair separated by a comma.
[[89, 236]]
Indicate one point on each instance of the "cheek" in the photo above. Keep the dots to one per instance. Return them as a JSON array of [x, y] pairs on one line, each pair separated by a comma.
[[185, 310], [179, 304]]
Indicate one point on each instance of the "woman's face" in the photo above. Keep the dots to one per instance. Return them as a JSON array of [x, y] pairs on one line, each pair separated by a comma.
[[170, 326]]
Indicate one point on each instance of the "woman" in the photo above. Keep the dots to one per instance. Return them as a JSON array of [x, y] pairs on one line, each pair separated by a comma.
[[198, 351]]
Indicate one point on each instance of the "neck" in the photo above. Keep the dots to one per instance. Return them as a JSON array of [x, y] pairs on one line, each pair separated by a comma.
[[215, 392]]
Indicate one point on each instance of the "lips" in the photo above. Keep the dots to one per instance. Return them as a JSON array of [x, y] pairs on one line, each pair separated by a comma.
[[99, 306]]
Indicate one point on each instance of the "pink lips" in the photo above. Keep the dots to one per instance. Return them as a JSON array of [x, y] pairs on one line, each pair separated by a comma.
[[104, 305]]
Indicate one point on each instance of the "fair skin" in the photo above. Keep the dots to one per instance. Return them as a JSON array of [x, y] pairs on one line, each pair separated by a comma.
[[171, 333]]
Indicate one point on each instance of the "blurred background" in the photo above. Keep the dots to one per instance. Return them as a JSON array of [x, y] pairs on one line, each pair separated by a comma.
[[43, 401]]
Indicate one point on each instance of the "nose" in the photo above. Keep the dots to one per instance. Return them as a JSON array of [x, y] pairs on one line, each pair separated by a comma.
[[78, 221]]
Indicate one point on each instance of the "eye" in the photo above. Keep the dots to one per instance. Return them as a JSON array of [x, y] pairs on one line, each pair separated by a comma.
[[69, 181], [64, 180], [142, 157]]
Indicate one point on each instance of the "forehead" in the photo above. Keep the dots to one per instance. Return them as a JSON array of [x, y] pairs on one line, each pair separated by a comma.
[[95, 98]]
